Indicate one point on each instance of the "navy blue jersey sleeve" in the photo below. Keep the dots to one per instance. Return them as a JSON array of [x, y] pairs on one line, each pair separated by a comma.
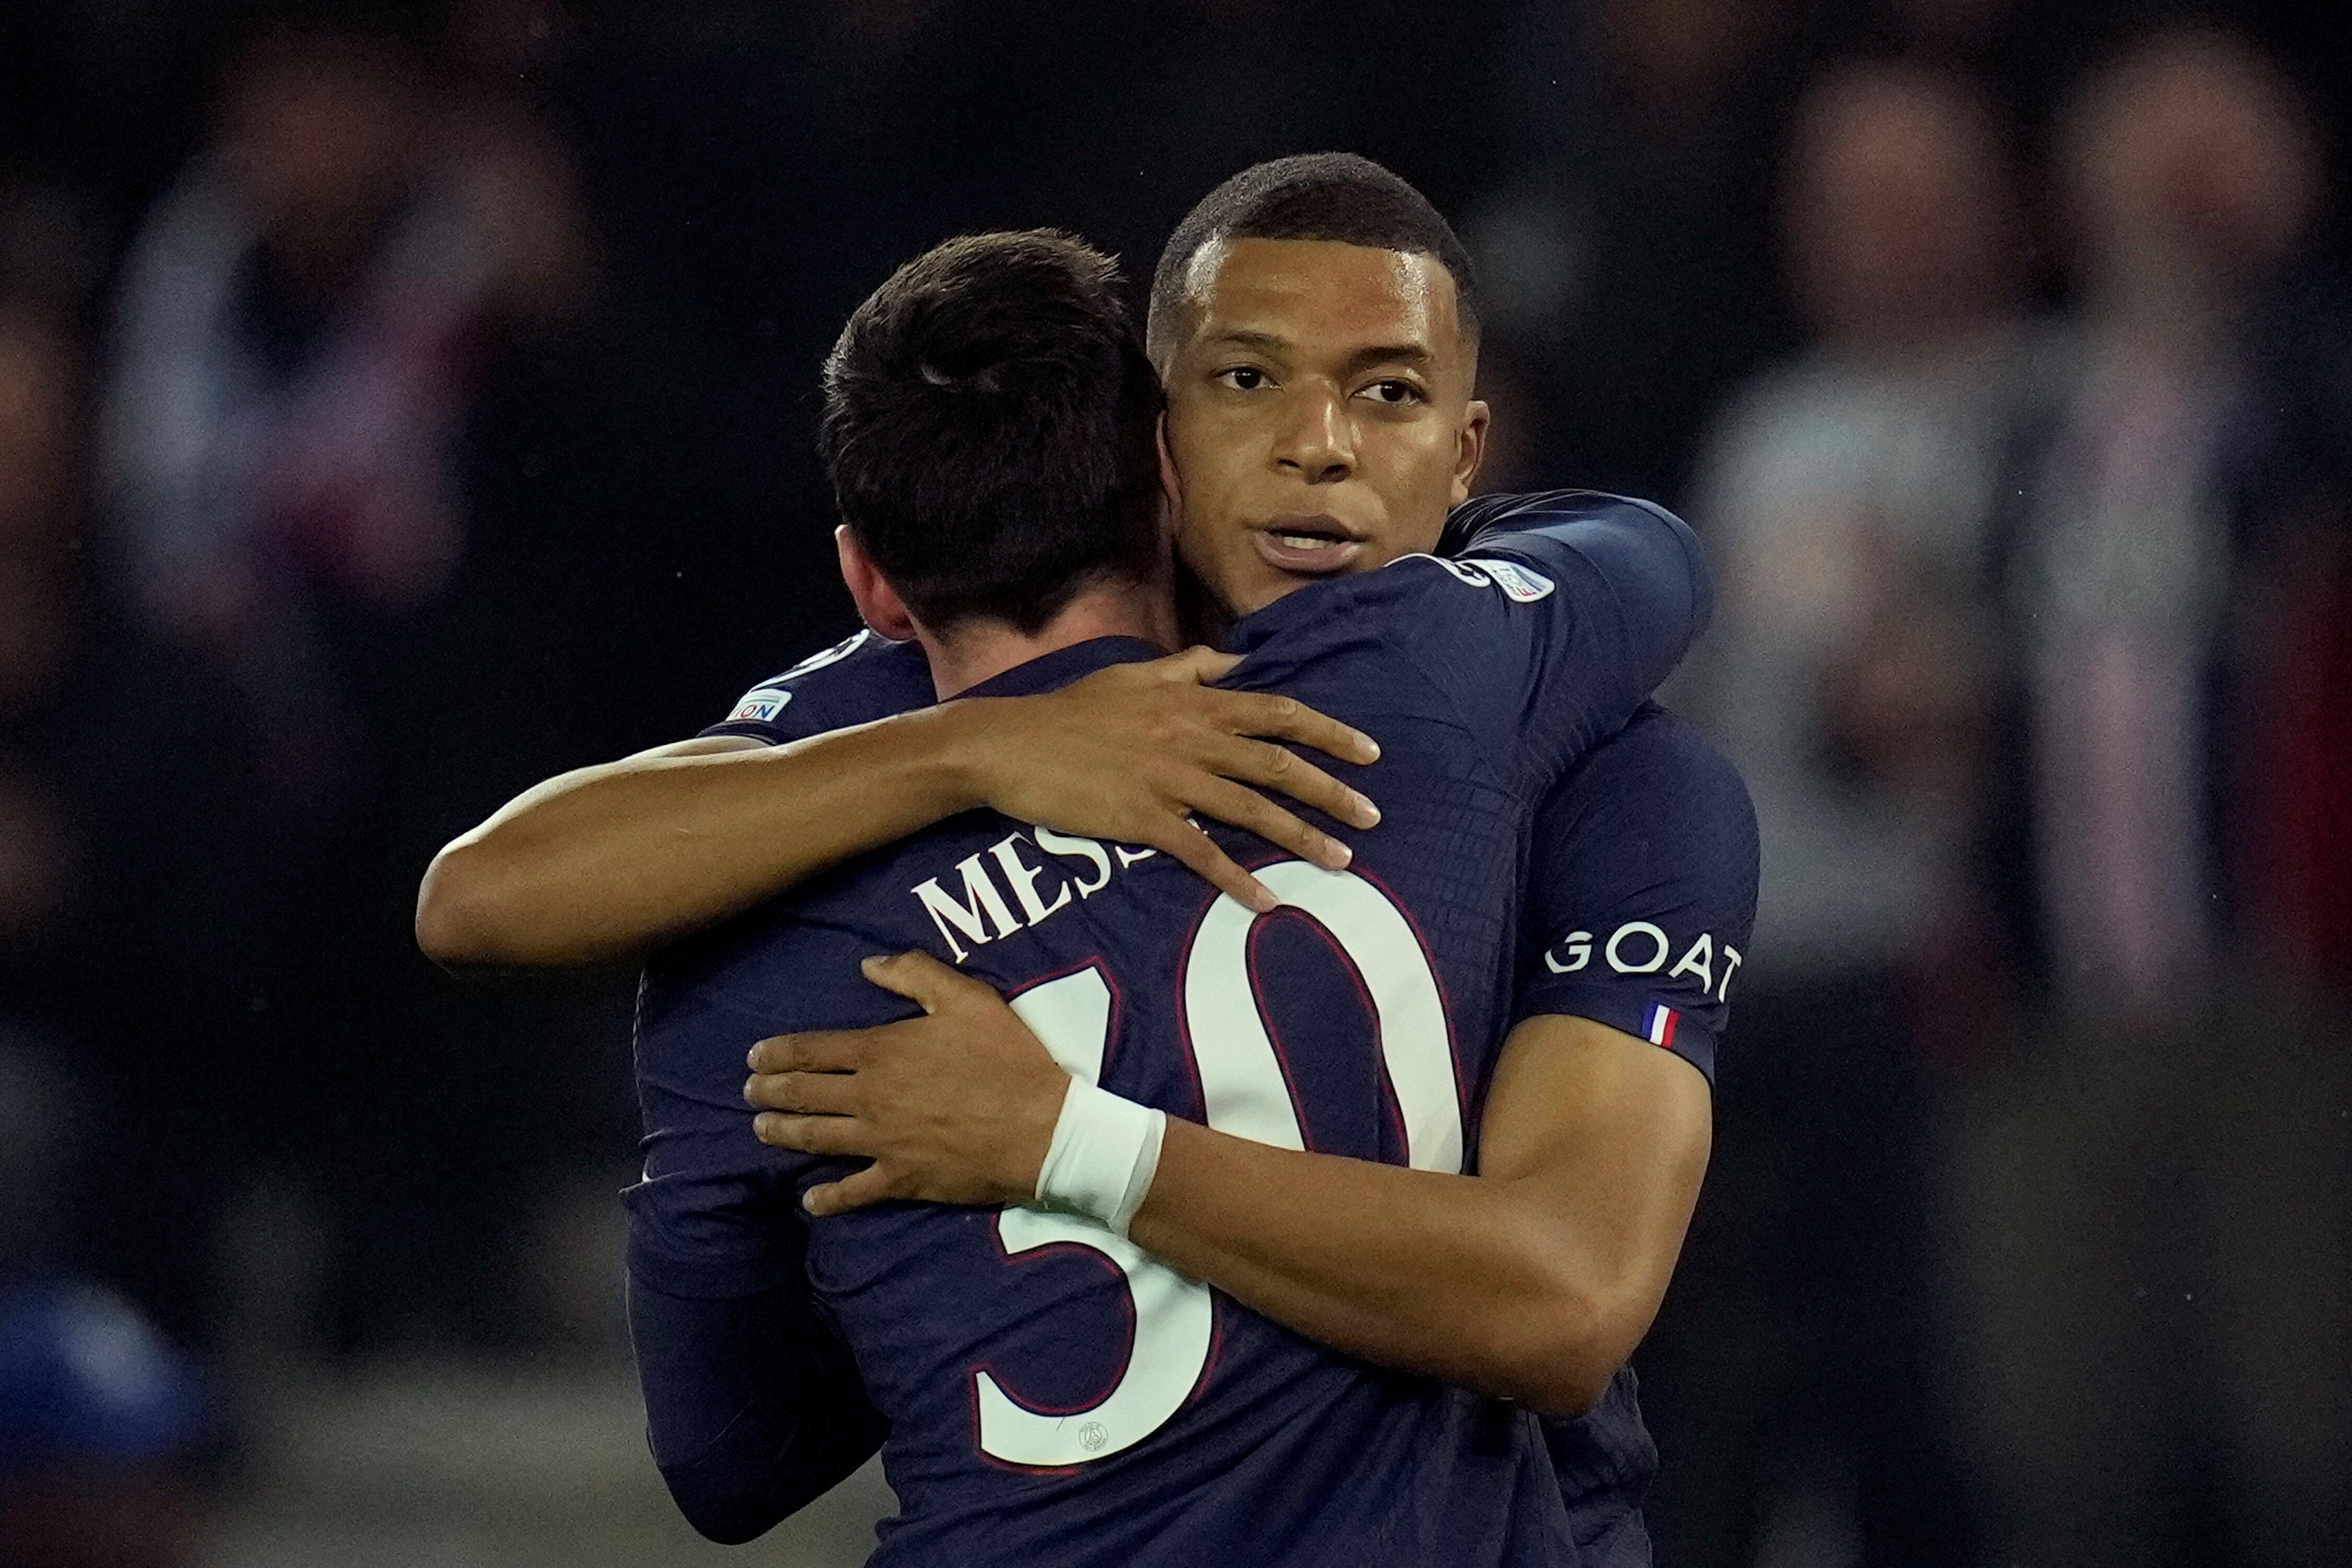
[[855, 681], [753, 1404], [1644, 890], [714, 1214], [1651, 563], [753, 1407], [1566, 610]]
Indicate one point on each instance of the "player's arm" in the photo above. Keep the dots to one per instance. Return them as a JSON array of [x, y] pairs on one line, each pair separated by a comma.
[[753, 1402], [608, 861], [1532, 1279], [753, 1406], [1635, 593], [1565, 612]]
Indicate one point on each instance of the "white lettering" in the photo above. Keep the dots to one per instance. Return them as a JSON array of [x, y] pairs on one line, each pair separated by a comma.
[[981, 898], [1637, 927], [1243, 1090], [1129, 857], [1082, 849], [1174, 1320], [1580, 952], [1023, 879], [1730, 962], [1698, 961]]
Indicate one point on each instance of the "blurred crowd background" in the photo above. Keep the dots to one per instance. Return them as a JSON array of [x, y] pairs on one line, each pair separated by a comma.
[[401, 403]]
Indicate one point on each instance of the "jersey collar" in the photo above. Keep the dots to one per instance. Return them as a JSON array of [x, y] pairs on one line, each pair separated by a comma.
[[1051, 672]]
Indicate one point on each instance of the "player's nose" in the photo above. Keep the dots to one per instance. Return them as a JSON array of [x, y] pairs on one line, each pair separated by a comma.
[[1314, 440]]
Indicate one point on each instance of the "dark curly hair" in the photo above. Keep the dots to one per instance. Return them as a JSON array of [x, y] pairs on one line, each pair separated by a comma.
[[989, 429]]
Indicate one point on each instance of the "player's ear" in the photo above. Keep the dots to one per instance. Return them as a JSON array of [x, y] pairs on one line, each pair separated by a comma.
[[1469, 448], [878, 604], [1171, 485]]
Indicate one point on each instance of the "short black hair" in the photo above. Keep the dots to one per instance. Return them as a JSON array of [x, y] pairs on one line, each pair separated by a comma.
[[989, 429], [1314, 195]]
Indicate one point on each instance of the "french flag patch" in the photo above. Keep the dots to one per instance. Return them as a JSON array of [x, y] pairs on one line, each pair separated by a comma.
[[1658, 1024]]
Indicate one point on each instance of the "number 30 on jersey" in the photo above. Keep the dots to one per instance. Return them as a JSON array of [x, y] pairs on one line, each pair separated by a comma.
[[1244, 1094]]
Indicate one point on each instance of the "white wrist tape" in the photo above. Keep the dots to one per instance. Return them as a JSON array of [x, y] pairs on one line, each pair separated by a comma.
[[1104, 1152]]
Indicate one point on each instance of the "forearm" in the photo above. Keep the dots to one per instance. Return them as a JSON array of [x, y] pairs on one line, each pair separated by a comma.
[[1471, 1280], [753, 1408], [608, 861]]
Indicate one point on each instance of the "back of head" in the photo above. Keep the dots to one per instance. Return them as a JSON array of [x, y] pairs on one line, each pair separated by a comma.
[[1334, 197], [989, 429]]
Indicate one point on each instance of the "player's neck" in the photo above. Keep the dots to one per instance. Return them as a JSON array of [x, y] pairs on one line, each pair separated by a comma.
[[982, 650]]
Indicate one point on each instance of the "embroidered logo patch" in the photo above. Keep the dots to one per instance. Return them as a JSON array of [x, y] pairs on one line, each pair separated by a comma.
[[1520, 583], [758, 707]]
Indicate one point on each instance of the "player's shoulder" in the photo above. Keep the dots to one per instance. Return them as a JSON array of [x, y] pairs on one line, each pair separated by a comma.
[[856, 681], [1524, 549], [1659, 748], [1502, 512], [1660, 776]]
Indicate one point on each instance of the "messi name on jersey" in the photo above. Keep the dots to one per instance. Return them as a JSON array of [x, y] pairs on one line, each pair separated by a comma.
[[979, 910]]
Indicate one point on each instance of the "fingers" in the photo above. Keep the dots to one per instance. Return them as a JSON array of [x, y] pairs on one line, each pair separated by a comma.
[[1271, 766], [1244, 808], [868, 1186], [1287, 719], [1263, 713], [838, 1135], [918, 977], [1197, 849], [820, 1050], [1195, 665], [807, 1093]]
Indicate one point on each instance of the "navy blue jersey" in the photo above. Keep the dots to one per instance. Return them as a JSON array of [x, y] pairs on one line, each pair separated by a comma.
[[1055, 1395]]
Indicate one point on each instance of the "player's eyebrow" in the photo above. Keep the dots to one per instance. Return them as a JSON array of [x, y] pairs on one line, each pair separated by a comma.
[[1413, 355], [1243, 338]]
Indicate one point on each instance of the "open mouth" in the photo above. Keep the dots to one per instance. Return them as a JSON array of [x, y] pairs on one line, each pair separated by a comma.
[[1309, 538], [1312, 545]]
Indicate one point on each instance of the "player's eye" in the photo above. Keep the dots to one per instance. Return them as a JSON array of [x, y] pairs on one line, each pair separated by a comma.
[[1393, 392], [1242, 378]]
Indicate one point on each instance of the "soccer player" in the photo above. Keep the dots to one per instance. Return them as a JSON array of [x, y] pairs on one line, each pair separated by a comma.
[[1045, 1407], [1644, 876]]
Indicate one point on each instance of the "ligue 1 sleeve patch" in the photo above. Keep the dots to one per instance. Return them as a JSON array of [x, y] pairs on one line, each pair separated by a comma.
[[758, 707], [1658, 1024], [1522, 584]]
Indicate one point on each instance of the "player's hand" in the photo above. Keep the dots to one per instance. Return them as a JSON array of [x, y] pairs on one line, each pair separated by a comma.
[[1129, 754], [955, 1107]]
